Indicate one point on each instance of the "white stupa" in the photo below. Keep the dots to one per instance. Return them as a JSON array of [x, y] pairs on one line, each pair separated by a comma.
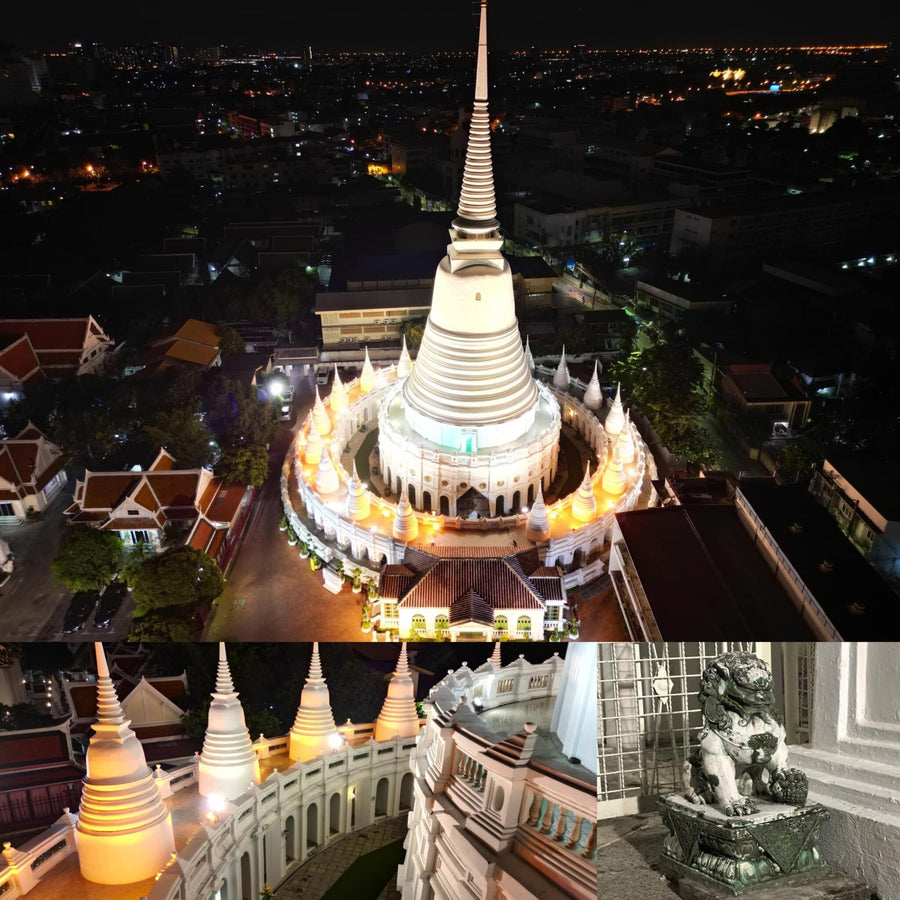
[[358, 506], [625, 441], [338, 399], [496, 660], [593, 396], [471, 395], [614, 481], [399, 716], [537, 526], [406, 525], [584, 503], [313, 731], [312, 450], [124, 830], [320, 415], [327, 479], [529, 359], [367, 379], [561, 376], [228, 762], [404, 364], [615, 418]]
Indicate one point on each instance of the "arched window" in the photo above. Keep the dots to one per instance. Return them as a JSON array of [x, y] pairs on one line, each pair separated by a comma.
[[411, 489], [445, 505], [500, 624], [441, 623], [418, 623], [524, 624], [517, 502], [426, 501], [530, 494], [499, 507]]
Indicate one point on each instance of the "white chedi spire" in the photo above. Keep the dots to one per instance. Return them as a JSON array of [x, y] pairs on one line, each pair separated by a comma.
[[584, 503], [358, 506], [327, 479], [593, 396], [470, 371], [228, 762], [312, 451], [406, 525], [338, 399], [561, 378], [529, 359], [625, 441], [615, 418], [313, 731], [614, 475], [537, 526], [399, 716], [320, 415], [367, 376], [495, 656], [124, 830], [404, 365]]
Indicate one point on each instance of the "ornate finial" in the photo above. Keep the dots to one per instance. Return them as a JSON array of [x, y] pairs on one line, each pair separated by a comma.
[[593, 396], [584, 504], [537, 526], [561, 378]]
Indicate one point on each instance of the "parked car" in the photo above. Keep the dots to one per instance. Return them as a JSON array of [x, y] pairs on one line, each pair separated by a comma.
[[322, 374], [79, 611], [110, 604]]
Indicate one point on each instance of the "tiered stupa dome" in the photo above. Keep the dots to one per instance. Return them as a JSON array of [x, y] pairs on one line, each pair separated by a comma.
[[399, 716], [313, 731], [228, 762], [124, 830]]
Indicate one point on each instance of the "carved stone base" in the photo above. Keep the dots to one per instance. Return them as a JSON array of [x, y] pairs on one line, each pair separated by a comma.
[[776, 846]]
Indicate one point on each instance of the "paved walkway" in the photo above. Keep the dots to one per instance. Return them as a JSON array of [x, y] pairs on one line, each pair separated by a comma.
[[628, 849], [312, 879]]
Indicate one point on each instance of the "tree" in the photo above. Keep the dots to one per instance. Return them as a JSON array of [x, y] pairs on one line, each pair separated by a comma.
[[231, 342], [21, 716], [796, 461], [413, 329], [244, 465], [87, 559], [183, 433], [179, 580]]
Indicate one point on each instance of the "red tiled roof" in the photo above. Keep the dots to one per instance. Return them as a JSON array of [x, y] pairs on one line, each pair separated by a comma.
[[104, 490], [19, 358], [19, 749], [49, 334], [146, 732], [8, 470], [471, 608], [164, 462], [202, 533], [54, 774], [174, 488], [171, 687], [216, 543], [130, 523], [171, 749], [227, 502], [24, 455], [30, 433]]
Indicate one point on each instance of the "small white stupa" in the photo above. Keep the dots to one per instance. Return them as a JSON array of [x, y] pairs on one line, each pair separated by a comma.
[[615, 418], [593, 396], [228, 762], [404, 364], [327, 479], [367, 376], [495, 656], [537, 526], [561, 378], [399, 716], [320, 415], [614, 481], [312, 450], [584, 503], [358, 506], [625, 442], [338, 399], [406, 525], [528, 357], [124, 830], [313, 732]]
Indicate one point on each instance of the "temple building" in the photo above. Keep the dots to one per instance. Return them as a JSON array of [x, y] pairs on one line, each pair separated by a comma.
[[498, 749], [479, 452]]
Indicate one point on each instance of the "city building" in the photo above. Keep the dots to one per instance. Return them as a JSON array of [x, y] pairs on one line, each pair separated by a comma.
[[679, 301], [194, 343], [753, 389], [31, 474], [861, 498], [138, 505]]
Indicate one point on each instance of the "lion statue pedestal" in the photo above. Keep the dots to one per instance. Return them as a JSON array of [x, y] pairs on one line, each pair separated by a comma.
[[741, 823]]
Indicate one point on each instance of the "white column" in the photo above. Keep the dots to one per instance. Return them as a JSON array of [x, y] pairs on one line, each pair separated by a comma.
[[853, 760]]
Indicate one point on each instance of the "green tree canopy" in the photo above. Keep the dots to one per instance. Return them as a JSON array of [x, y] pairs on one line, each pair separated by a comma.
[[21, 716], [181, 579], [244, 465], [231, 342], [87, 559], [183, 433]]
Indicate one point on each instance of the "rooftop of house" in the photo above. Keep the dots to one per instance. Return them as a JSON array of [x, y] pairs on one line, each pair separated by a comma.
[[874, 479]]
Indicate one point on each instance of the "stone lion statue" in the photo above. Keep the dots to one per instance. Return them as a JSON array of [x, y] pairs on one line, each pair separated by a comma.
[[742, 752]]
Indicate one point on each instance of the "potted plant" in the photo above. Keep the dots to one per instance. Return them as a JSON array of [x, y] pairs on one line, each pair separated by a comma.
[[372, 589], [366, 620], [339, 568], [32, 514], [292, 537], [574, 628], [554, 636], [304, 550], [283, 523], [356, 576], [315, 562]]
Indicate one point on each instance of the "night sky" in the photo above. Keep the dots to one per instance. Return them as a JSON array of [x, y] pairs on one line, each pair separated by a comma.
[[404, 24]]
